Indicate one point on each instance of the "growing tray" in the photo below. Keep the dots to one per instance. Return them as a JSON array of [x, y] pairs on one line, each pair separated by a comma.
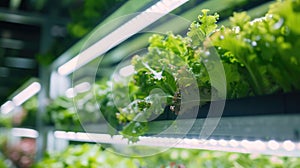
[[276, 104]]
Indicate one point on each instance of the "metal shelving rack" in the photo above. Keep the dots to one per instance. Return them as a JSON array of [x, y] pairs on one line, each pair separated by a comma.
[[267, 134]]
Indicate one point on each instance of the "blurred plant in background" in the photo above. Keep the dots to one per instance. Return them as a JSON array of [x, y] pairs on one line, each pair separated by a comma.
[[83, 16], [92, 156]]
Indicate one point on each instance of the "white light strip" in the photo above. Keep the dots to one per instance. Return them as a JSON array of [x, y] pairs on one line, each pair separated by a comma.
[[127, 71], [285, 148], [24, 132], [119, 35], [82, 87], [70, 93], [7, 107], [27, 93]]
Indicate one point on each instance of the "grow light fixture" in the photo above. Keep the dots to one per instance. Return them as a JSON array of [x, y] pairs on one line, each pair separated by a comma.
[[27, 93], [119, 35], [21, 97], [79, 88], [127, 70], [285, 148], [7, 107], [273, 145], [24, 132], [82, 87], [70, 93]]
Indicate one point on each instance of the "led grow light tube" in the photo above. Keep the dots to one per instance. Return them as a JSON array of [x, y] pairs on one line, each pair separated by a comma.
[[7, 107], [79, 88], [82, 87], [27, 93], [127, 71], [119, 35], [21, 97], [24, 132], [285, 148]]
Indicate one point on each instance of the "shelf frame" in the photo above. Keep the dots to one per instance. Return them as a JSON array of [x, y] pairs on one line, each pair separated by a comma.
[[269, 134]]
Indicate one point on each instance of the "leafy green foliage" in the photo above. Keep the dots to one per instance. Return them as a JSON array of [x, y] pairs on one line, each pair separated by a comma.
[[62, 112], [203, 28], [259, 57], [106, 101], [2, 162], [86, 156], [265, 48], [70, 113], [5, 121], [86, 16], [26, 117], [133, 130], [30, 108], [171, 65], [93, 156]]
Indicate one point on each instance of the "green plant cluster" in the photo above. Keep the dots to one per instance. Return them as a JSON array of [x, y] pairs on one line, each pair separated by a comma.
[[30, 108], [25, 118], [5, 121], [265, 48], [88, 155], [258, 57], [85, 156], [65, 114], [62, 113], [2, 163]]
